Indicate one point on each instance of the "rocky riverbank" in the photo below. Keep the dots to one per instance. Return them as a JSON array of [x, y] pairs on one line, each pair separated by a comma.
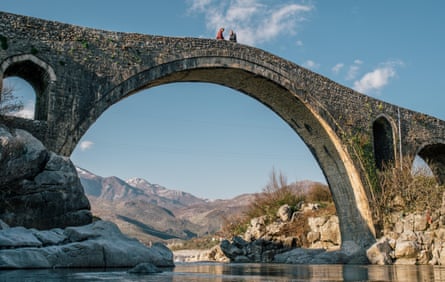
[[413, 238], [100, 245]]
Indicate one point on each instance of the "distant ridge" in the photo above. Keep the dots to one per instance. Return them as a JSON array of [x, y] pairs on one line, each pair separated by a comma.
[[151, 212]]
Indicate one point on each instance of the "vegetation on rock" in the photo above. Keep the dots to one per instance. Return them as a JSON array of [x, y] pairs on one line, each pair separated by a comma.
[[407, 190], [276, 194]]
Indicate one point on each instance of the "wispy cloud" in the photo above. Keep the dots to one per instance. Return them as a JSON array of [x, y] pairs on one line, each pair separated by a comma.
[[337, 68], [353, 70], [86, 145], [378, 78], [254, 21], [311, 65]]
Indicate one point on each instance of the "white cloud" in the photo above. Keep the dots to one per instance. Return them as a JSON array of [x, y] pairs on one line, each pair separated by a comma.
[[311, 65], [378, 78], [85, 145], [299, 43], [253, 21], [336, 69], [353, 70]]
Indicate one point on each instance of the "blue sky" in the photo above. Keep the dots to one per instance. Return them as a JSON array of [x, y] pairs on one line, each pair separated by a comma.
[[218, 143]]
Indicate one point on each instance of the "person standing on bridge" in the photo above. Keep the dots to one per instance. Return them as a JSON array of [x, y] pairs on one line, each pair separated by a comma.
[[220, 35], [232, 36]]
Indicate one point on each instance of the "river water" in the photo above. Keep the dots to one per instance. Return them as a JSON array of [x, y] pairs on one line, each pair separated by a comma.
[[185, 272]]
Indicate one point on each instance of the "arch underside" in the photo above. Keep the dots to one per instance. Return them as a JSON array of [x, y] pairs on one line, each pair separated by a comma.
[[434, 156], [37, 73], [354, 214], [384, 153]]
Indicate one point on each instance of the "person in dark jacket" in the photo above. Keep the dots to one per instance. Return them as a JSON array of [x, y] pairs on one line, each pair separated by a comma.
[[232, 36]]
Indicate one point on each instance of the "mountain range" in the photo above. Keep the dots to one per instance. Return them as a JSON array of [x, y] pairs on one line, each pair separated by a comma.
[[151, 212]]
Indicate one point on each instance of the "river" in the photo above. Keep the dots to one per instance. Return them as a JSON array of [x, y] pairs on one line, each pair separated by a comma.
[[223, 272]]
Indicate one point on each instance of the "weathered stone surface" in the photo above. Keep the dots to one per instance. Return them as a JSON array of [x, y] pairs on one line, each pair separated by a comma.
[[406, 249], [21, 155], [284, 213], [380, 252], [18, 237], [330, 232], [50, 237], [256, 229], [39, 188], [325, 232], [105, 246]]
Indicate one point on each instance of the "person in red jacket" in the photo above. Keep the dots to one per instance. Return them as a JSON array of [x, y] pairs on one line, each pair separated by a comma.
[[220, 34]]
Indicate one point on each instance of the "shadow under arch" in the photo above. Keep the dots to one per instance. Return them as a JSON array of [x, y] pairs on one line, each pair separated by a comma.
[[282, 97], [37, 73], [434, 156], [383, 136]]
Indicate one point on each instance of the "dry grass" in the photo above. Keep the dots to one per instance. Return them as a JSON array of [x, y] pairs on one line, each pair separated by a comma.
[[402, 189], [277, 193]]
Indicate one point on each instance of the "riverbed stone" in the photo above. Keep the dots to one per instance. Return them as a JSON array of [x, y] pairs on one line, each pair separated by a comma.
[[406, 249], [380, 252], [105, 246]]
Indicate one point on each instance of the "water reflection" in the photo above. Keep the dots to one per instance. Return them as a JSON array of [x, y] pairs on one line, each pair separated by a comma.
[[240, 272]]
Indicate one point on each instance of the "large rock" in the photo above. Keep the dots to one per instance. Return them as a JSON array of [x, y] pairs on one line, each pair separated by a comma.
[[100, 244], [284, 213], [380, 252], [21, 155], [39, 189]]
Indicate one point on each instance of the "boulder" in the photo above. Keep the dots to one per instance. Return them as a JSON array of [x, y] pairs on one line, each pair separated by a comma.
[[21, 155], [380, 252], [420, 222], [102, 245], [406, 249], [40, 189], [256, 228], [284, 213]]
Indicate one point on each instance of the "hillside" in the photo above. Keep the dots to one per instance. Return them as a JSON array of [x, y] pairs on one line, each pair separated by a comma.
[[151, 212]]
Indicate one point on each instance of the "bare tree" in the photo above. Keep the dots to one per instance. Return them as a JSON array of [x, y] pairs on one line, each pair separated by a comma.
[[9, 103]]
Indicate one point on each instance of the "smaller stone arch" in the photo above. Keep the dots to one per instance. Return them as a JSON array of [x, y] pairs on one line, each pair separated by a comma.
[[434, 156], [383, 137], [37, 73]]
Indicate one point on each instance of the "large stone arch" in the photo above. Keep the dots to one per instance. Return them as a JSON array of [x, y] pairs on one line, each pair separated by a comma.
[[284, 98], [37, 73]]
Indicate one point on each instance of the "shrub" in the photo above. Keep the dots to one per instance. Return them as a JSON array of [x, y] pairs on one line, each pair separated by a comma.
[[319, 193], [407, 190], [234, 225], [274, 195]]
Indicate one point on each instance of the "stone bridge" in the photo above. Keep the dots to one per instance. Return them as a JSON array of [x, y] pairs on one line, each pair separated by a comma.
[[78, 73]]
